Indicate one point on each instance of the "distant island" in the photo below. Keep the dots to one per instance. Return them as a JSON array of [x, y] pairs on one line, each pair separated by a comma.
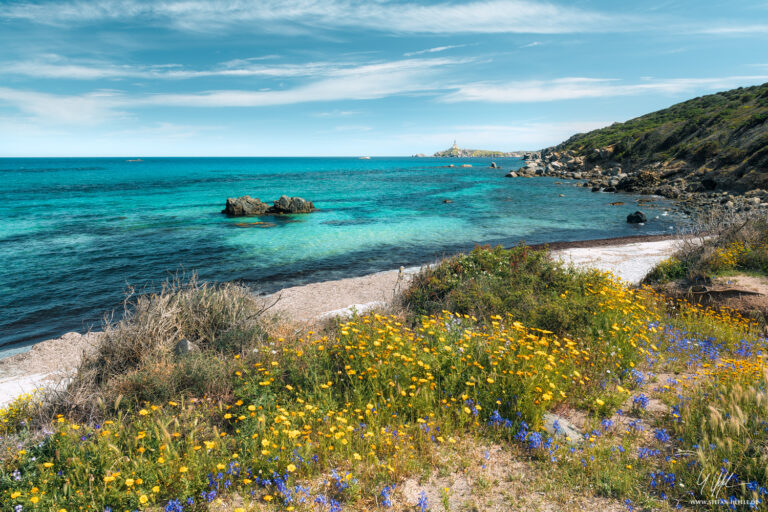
[[456, 152]]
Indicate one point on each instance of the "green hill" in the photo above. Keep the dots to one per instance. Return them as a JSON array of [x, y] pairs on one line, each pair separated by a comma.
[[720, 140]]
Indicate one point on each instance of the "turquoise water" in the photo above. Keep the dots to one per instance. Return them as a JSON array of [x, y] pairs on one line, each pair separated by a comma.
[[74, 233]]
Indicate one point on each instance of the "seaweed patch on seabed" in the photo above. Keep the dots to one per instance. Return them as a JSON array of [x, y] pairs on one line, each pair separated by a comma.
[[254, 225]]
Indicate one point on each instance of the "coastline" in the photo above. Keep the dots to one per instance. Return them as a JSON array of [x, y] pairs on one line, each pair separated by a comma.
[[47, 362]]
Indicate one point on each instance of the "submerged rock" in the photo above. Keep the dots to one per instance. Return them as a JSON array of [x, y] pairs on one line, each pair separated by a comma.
[[636, 218]]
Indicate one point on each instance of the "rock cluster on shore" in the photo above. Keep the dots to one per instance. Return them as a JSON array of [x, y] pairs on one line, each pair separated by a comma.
[[247, 206], [601, 173]]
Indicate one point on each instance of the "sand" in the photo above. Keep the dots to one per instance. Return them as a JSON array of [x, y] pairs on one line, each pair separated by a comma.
[[50, 361]]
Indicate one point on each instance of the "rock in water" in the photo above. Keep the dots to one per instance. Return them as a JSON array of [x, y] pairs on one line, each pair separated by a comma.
[[247, 206], [636, 218], [494, 166], [244, 206], [292, 205]]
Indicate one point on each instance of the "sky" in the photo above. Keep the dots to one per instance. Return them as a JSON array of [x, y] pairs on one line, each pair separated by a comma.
[[347, 77]]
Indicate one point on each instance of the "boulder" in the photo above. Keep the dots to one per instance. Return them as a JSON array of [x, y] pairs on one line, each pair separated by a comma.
[[244, 206], [667, 191], [184, 347], [640, 180], [292, 205], [494, 166], [636, 218], [557, 426], [511, 174]]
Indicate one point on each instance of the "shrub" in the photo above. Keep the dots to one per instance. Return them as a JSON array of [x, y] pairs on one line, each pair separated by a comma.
[[670, 269], [726, 245], [522, 282], [135, 356]]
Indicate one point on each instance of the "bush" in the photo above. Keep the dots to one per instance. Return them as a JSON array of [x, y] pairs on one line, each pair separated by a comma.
[[522, 282], [670, 269], [736, 244], [135, 356]]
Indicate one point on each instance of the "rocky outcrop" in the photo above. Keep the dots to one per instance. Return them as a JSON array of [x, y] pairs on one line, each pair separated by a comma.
[[247, 206], [292, 205], [695, 192], [636, 218], [244, 206]]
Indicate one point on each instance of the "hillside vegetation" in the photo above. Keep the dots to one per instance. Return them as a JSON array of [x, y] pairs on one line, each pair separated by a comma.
[[722, 138]]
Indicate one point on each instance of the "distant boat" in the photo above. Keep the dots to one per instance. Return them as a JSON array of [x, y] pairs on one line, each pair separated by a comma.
[[364, 158], [135, 160]]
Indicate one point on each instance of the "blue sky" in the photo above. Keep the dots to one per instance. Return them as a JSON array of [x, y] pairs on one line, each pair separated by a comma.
[[347, 77]]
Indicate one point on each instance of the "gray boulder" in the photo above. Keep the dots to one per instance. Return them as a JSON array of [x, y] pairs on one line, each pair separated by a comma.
[[557, 426], [185, 347], [244, 206], [636, 218], [292, 205]]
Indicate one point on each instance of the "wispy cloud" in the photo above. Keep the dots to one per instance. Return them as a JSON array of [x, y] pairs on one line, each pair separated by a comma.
[[360, 83], [434, 50], [55, 66], [734, 30], [532, 44], [578, 87], [365, 82], [92, 108], [480, 16]]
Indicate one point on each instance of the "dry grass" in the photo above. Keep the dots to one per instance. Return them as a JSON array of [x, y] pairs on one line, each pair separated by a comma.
[[136, 361]]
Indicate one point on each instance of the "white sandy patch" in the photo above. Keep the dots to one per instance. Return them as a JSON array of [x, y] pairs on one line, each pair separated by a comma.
[[631, 262]]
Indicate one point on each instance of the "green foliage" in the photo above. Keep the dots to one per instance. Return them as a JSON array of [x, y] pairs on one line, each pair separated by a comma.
[[670, 269], [724, 128], [522, 282], [737, 247]]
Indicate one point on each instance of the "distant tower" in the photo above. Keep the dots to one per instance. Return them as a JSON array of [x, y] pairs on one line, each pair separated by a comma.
[[455, 146]]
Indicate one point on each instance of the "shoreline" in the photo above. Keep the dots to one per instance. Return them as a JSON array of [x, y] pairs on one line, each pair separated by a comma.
[[48, 361]]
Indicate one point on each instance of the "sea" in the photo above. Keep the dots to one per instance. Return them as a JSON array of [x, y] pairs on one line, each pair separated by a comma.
[[77, 233]]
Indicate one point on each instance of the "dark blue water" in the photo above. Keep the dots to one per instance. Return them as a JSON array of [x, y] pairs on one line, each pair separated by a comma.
[[74, 233]]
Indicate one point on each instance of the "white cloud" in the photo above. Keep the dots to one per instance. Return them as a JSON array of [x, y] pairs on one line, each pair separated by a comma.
[[578, 87], [370, 81], [532, 44], [54, 66], [734, 30], [480, 16], [434, 50], [91, 108]]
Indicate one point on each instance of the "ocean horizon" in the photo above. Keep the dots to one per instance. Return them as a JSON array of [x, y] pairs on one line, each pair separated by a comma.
[[76, 233]]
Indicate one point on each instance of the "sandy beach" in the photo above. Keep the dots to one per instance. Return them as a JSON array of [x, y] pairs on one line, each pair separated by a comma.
[[50, 361]]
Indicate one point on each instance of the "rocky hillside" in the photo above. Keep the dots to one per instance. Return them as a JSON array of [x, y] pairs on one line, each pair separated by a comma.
[[715, 145]]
